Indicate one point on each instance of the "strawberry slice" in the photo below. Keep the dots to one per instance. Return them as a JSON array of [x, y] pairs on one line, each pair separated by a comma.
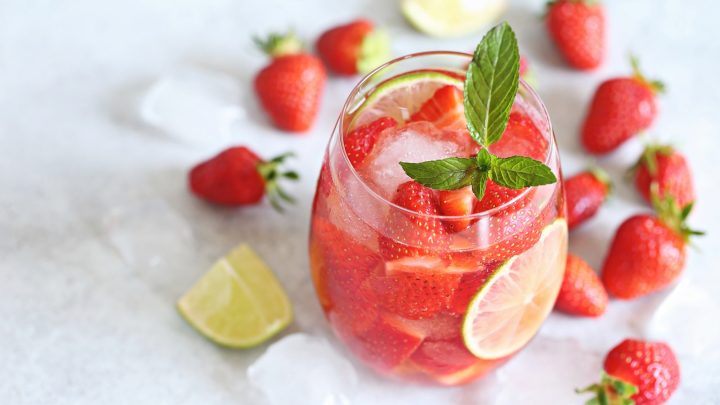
[[495, 196], [443, 357], [468, 286], [444, 109], [348, 268], [414, 235], [354, 311], [361, 141], [512, 230], [443, 326], [457, 203], [521, 138], [417, 292], [385, 345]]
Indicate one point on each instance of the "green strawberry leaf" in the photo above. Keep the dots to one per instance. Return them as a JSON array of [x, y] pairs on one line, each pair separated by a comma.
[[445, 174], [610, 391], [491, 84], [520, 171]]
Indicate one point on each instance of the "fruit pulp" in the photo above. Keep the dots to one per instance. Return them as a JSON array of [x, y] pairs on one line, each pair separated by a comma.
[[400, 292]]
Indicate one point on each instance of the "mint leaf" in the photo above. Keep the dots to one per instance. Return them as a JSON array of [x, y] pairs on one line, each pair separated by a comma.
[[479, 183], [445, 174], [491, 84], [520, 171]]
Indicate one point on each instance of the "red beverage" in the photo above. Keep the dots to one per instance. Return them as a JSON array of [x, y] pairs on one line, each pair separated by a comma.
[[410, 286]]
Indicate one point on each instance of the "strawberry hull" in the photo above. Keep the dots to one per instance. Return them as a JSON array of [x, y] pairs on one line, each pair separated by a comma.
[[397, 265]]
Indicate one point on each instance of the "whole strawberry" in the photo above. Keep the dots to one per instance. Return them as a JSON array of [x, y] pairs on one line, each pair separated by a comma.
[[352, 48], [582, 292], [648, 252], [237, 176], [585, 192], [291, 86], [637, 372], [620, 109], [668, 168], [578, 29]]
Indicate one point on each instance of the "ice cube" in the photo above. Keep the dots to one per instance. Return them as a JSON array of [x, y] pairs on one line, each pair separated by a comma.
[[415, 142], [303, 368], [155, 242], [195, 107]]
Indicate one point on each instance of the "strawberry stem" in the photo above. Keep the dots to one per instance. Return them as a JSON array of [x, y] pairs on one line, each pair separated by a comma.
[[602, 176], [655, 85], [277, 45], [610, 391], [672, 215], [649, 159], [270, 171]]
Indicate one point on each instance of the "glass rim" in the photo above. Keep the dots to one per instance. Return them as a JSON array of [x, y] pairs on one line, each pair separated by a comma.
[[341, 124]]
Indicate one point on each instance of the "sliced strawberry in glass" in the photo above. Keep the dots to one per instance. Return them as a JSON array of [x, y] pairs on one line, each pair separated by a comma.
[[345, 279], [408, 234], [354, 311], [386, 344], [469, 285], [443, 326], [361, 141], [443, 357], [444, 109], [496, 196], [417, 291], [457, 203]]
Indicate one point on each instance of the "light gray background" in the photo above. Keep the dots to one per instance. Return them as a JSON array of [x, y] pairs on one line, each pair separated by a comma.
[[98, 235]]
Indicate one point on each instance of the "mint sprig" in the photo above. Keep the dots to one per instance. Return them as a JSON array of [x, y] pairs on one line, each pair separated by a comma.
[[491, 85]]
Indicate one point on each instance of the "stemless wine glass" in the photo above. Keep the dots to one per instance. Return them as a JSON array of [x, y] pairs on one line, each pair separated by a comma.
[[431, 297]]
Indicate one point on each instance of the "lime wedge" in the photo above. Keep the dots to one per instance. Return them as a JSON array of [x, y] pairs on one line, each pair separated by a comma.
[[449, 18], [509, 308], [400, 96], [238, 302]]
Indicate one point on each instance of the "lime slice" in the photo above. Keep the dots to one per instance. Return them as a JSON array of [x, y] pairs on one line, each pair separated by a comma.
[[399, 97], [509, 308], [448, 18], [238, 302]]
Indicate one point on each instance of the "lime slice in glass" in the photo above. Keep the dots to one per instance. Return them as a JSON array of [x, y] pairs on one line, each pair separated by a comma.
[[238, 302], [449, 18], [509, 308], [399, 97]]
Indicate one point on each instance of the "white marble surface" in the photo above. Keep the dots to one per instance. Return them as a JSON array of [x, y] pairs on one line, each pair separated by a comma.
[[98, 235]]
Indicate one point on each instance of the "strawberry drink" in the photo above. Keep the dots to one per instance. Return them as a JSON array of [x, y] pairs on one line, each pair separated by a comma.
[[438, 240]]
